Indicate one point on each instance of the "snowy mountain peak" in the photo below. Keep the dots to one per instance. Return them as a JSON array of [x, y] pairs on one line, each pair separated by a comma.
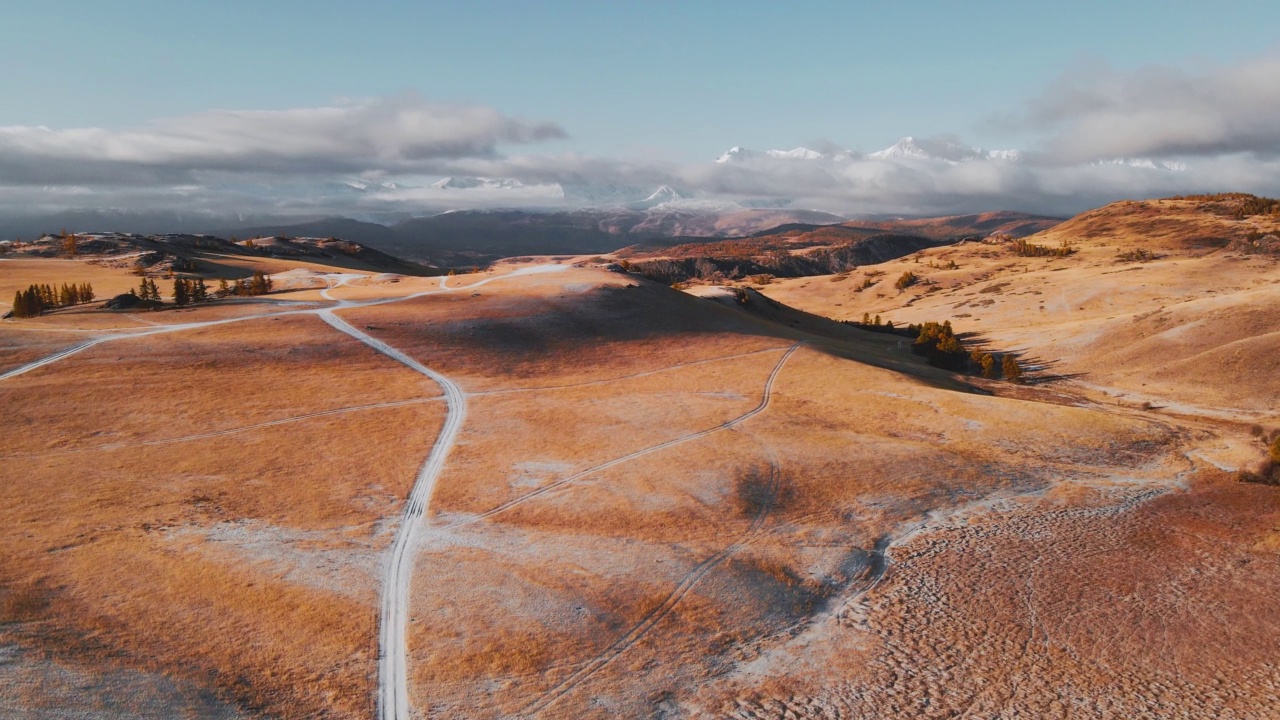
[[471, 183], [735, 154], [800, 153], [911, 148], [665, 193]]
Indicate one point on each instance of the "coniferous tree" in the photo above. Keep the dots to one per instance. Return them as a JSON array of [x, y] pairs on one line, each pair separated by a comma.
[[144, 289], [1012, 370], [180, 296], [21, 305], [86, 293], [199, 291]]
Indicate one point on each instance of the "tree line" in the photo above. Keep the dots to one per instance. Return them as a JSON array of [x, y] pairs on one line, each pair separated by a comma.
[[38, 298], [938, 343], [259, 284]]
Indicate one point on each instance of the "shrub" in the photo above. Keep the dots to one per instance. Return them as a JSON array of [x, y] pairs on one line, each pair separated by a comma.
[[1136, 255], [1012, 370], [906, 280]]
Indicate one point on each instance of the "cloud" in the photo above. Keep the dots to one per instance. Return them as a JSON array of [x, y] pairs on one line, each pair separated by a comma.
[[301, 162], [1097, 112], [390, 134]]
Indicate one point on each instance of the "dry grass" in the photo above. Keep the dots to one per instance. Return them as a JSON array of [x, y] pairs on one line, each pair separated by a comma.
[[155, 522], [125, 509]]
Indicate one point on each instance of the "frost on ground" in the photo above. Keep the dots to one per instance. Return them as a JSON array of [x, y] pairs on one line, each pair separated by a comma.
[[33, 687], [1125, 602], [344, 561]]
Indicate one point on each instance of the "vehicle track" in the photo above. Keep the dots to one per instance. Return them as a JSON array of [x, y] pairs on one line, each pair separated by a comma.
[[342, 304], [657, 614], [727, 425], [393, 683]]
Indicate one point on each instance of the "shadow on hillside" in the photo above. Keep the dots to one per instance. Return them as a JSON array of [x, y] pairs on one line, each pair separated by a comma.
[[620, 325]]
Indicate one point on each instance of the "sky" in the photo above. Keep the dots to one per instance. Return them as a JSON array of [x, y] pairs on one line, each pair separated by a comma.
[[140, 104]]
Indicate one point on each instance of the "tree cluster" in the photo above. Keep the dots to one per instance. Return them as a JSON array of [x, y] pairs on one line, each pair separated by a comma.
[[38, 298], [939, 344], [1022, 248], [148, 292], [906, 280], [187, 291], [259, 284]]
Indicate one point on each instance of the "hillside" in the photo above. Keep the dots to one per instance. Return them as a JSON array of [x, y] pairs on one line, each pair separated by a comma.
[[554, 490], [1174, 303], [214, 256]]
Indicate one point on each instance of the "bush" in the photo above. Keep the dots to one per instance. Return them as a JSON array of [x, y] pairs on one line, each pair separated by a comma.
[[906, 280], [1012, 370], [1136, 255]]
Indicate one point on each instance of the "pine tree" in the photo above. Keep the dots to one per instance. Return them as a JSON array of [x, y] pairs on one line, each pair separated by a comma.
[[1012, 370], [86, 293], [260, 284], [19, 305], [180, 295], [223, 288], [69, 243], [144, 290], [199, 291], [64, 296]]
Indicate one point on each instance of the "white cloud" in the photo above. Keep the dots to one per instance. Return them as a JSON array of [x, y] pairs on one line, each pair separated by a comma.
[[1096, 112], [390, 134]]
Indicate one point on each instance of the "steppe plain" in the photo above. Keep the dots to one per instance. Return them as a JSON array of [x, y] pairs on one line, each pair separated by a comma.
[[716, 503]]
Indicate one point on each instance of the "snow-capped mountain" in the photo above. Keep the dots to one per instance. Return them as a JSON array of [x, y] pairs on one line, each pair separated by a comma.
[[910, 148], [1146, 164], [800, 153], [740, 154], [735, 154], [472, 183], [665, 193]]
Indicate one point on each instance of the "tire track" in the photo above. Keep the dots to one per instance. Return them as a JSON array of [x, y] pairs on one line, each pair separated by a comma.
[[179, 327], [393, 682], [656, 615], [727, 425]]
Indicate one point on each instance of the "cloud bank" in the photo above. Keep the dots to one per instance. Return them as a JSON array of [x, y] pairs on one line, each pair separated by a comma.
[[1104, 135], [400, 134], [1098, 113]]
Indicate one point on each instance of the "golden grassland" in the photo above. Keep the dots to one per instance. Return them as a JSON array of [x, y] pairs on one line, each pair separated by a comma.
[[883, 539], [207, 505], [1195, 326]]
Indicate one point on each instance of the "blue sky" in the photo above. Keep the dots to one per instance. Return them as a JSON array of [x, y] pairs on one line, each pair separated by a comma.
[[182, 104], [680, 79]]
